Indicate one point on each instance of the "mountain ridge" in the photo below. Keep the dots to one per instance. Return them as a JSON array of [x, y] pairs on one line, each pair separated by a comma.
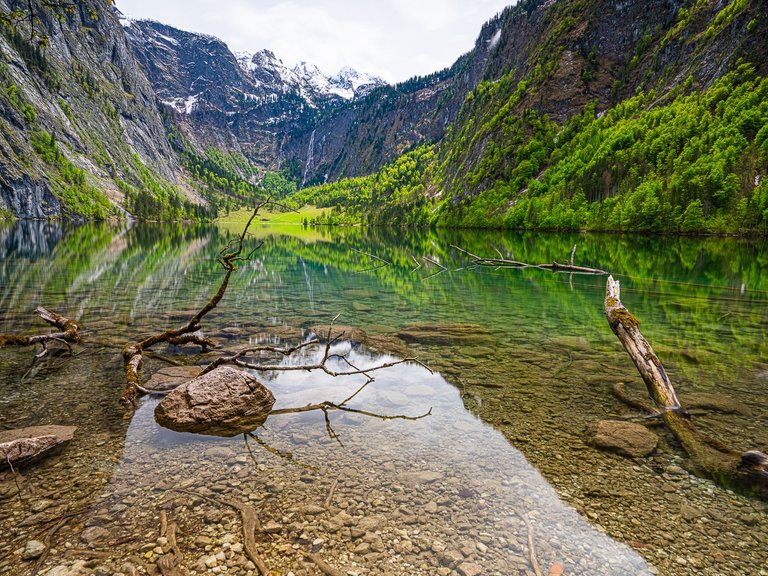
[[493, 120]]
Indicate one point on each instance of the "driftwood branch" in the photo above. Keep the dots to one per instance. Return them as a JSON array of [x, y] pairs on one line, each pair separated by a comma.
[[133, 354], [500, 262], [327, 406], [626, 328], [708, 457], [237, 358], [68, 333], [322, 565]]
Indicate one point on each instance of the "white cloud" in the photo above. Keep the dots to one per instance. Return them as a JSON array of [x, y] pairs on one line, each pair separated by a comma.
[[396, 39]]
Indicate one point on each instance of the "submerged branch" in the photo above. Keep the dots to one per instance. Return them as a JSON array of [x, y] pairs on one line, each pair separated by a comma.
[[322, 364], [478, 261], [133, 354], [67, 335]]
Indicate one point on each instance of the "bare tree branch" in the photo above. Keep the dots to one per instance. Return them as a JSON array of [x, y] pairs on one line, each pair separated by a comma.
[[133, 356], [68, 333], [322, 364], [478, 261]]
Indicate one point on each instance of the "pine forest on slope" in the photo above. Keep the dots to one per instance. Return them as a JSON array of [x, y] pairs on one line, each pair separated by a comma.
[[566, 114]]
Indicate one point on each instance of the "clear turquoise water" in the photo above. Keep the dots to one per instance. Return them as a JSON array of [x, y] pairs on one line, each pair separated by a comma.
[[510, 401]]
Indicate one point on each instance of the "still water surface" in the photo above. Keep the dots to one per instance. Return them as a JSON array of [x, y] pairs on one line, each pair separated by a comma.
[[523, 361]]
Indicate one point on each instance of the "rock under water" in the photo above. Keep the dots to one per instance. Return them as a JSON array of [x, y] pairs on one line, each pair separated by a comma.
[[627, 438], [25, 445], [223, 402]]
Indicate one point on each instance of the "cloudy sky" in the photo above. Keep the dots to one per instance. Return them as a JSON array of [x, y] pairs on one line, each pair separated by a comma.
[[395, 39]]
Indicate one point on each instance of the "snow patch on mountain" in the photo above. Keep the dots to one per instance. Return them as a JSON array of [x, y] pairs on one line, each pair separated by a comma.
[[306, 78], [355, 83], [183, 105]]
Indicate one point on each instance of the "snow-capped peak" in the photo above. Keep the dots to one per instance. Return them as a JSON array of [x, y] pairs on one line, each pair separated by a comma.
[[310, 73], [307, 78], [262, 59], [346, 84], [350, 79]]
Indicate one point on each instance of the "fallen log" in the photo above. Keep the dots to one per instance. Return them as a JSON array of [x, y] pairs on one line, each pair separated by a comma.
[[708, 457], [67, 335]]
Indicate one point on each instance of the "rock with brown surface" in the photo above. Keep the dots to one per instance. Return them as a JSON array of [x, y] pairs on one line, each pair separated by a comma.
[[223, 402], [626, 438], [25, 445]]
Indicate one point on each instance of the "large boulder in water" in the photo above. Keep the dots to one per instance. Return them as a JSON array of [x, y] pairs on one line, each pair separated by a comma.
[[626, 438], [25, 445], [223, 402]]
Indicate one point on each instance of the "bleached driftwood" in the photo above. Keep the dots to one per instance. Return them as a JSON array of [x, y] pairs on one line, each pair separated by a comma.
[[708, 457]]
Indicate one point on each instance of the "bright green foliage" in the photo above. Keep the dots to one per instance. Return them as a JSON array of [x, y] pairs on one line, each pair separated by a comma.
[[277, 185], [394, 195], [696, 164], [726, 16], [230, 181], [221, 174], [690, 165], [16, 99]]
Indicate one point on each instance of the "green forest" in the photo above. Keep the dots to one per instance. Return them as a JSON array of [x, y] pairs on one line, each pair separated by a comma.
[[691, 163]]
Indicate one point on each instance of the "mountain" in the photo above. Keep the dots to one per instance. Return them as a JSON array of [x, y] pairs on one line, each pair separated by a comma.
[[564, 114], [79, 125], [593, 114], [246, 103], [313, 126]]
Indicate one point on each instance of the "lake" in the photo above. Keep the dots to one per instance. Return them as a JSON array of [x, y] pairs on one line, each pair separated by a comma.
[[496, 479]]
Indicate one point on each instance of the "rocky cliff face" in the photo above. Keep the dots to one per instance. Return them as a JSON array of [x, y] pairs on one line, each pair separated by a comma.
[[246, 102], [553, 57], [87, 110], [79, 121]]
